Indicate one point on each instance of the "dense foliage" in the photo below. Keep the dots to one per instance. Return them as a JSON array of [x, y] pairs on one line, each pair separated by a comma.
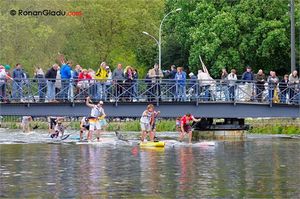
[[108, 30], [232, 34], [226, 33]]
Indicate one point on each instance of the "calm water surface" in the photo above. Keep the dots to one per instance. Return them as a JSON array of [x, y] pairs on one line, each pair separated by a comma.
[[260, 167]]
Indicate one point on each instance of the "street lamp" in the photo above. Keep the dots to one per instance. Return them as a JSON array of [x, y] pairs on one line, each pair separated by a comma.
[[293, 54], [159, 39], [151, 37]]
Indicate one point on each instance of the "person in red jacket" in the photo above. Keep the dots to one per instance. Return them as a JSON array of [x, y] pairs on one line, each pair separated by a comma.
[[84, 82], [185, 126]]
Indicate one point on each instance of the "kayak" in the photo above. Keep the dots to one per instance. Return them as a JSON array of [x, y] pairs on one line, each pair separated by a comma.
[[152, 144]]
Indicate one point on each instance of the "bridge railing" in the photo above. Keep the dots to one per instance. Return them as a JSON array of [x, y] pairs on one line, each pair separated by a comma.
[[146, 90]]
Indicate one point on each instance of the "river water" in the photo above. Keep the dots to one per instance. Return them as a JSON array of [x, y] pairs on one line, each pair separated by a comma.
[[34, 166]]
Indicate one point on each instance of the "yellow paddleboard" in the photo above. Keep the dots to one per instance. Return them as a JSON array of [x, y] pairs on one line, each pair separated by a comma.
[[152, 144]]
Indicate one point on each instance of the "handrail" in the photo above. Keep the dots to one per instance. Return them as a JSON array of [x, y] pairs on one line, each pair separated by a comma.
[[146, 90]]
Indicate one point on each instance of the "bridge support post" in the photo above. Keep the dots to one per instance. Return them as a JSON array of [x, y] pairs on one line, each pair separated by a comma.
[[227, 128]]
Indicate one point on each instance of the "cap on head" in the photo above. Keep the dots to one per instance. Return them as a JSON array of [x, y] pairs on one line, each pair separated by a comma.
[[191, 74], [100, 102]]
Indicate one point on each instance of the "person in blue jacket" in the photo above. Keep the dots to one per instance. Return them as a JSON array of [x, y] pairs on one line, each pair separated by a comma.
[[65, 72], [180, 78]]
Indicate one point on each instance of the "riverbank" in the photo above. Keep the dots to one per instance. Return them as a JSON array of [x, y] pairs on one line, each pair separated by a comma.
[[257, 126], [274, 126]]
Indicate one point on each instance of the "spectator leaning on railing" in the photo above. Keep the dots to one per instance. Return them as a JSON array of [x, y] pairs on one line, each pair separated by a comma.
[[58, 85], [75, 75], [40, 77], [232, 78], [248, 78], [84, 83], [205, 81], [272, 85], [293, 86], [192, 91], [260, 85], [93, 84], [3, 77], [172, 74], [108, 83], [101, 77], [51, 77], [156, 75], [180, 78], [128, 73], [18, 77], [65, 72], [283, 87], [224, 83], [135, 84], [118, 78]]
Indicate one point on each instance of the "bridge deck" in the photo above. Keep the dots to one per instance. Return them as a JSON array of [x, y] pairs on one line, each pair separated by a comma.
[[168, 109], [218, 99]]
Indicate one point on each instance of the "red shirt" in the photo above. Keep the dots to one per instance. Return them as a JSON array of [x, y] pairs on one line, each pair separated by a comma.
[[84, 76], [186, 120]]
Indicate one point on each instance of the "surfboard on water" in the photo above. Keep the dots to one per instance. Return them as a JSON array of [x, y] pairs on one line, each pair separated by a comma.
[[59, 139], [28, 133], [107, 141], [152, 144], [205, 144]]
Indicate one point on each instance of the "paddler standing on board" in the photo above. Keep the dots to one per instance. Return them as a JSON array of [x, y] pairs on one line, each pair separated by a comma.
[[96, 112], [186, 127], [153, 125], [145, 121]]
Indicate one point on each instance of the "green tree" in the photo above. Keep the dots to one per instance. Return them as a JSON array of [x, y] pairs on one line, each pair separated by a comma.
[[233, 34]]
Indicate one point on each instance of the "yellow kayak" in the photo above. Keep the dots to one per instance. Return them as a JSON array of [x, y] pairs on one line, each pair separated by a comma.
[[152, 144]]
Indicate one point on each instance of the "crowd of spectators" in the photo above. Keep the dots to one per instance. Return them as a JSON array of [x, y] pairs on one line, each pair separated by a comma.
[[68, 83]]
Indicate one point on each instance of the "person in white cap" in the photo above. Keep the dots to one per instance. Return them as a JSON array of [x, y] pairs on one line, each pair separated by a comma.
[[192, 86]]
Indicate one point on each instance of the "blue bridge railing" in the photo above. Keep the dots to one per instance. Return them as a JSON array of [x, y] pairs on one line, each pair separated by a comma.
[[145, 90]]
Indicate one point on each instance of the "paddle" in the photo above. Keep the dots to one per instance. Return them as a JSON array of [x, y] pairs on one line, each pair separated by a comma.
[[35, 127], [121, 137]]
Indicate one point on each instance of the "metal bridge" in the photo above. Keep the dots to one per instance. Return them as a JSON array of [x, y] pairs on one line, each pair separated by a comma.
[[209, 98]]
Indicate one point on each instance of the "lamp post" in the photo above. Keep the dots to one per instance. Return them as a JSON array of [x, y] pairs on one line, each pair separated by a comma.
[[293, 56], [146, 33], [159, 37]]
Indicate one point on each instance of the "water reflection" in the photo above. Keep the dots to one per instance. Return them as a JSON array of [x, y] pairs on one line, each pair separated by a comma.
[[251, 169]]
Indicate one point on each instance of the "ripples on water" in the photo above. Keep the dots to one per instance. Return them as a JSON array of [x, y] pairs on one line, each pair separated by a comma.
[[258, 167]]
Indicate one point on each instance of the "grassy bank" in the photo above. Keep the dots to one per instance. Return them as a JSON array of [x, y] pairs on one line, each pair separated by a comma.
[[274, 126], [162, 125], [262, 126], [276, 129]]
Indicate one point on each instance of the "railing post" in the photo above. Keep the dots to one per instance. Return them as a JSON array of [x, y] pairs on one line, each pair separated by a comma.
[[272, 95], [157, 93], [235, 92], [197, 93]]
